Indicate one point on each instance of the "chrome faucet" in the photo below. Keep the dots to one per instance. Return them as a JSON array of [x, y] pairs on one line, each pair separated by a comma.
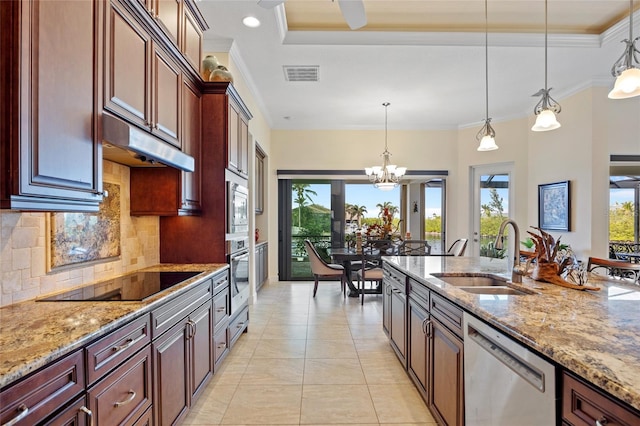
[[518, 270]]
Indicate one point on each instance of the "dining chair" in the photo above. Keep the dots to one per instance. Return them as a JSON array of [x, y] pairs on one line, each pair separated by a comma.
[[414, 248], [458, 247], [320, 268], [617, 268], [371, 264]]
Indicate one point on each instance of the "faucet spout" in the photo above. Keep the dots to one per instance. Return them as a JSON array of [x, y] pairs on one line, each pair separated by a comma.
[[518, 270]]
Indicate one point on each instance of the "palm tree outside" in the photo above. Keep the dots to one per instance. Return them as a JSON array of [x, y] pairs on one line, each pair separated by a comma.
[[356, 211], [302, 191]]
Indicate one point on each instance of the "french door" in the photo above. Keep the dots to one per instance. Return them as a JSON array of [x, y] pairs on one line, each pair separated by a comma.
[[492, 202]]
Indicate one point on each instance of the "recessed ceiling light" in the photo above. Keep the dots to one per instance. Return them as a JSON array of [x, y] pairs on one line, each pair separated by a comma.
[[251, 21]]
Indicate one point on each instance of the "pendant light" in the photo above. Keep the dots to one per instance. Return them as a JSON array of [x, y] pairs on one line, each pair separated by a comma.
[[486, 136], [547, 108], [625, 69], [387, 176]]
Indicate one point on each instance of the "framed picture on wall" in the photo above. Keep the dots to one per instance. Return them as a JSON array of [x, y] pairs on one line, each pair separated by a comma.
[[554, 206]]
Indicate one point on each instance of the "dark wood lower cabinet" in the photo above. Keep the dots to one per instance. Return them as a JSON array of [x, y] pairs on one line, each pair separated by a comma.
[[584, 405], [122, 396], [446, 396], [35, 398], [74, 415], [183, 363], [398, 332], [417, 359]]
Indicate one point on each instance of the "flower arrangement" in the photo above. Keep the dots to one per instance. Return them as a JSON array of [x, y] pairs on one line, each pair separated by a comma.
[[384, 230]]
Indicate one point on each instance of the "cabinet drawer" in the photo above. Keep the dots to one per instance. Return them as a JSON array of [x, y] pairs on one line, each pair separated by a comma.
[[220, 345], [220, 308], [582, 404], [146, 419], [122, 396], [113, 349], [418, 292], [220, 281], [394, 277], [44, 392], [237, 325], [74, 415], [449, 314], [164, 317]]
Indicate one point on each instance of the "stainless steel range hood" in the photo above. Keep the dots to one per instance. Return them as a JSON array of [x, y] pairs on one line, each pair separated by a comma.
[[126, 144]]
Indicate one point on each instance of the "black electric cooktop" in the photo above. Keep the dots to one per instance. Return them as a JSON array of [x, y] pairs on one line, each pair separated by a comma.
[[132, 287]]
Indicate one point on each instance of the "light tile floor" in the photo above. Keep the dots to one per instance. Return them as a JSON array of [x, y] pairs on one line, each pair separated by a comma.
[[311, 361]]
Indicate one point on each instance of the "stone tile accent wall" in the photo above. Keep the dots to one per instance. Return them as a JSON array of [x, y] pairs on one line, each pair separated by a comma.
[[23, 258]]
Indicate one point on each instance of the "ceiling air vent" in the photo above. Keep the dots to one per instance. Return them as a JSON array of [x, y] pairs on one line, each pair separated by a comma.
[[301, 72]]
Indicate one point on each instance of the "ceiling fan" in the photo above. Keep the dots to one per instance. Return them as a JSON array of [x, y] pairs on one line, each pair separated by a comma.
[[352, 11]]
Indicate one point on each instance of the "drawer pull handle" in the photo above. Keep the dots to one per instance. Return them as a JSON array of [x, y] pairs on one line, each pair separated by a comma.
[[23, 411], [132, 395], [128, 343], [88, 413], [240, 325], [222, 345], [221, 309], [602, 421]]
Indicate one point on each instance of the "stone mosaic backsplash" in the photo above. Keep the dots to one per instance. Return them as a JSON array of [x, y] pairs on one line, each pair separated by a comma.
[[86, 237]]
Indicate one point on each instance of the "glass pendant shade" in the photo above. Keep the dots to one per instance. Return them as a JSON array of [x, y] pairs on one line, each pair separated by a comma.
[[547, 108], [486, 136], [487, 143], [545, 120], [627, 84], [625, 69]]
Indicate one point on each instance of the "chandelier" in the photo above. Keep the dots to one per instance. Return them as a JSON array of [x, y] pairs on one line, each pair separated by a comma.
[[486, 136], [387, 176], [627, 74], [547, 108]]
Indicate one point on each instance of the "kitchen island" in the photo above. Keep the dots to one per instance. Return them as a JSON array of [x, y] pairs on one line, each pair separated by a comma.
[[595, 335]]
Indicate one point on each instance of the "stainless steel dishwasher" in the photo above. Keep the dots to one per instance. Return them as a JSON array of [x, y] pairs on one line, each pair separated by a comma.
[[505, 383]]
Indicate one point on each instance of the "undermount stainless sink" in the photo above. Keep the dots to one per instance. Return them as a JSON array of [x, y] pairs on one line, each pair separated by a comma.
[[494, 290], [482, 284], [471, 280]]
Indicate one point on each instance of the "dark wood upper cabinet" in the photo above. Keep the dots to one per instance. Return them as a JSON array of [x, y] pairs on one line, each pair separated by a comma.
[[167, 191], [143, 82], [191, 44], [50, 67]]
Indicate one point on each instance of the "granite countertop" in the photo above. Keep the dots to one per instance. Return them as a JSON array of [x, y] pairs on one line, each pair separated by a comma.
[[32, 333], [596, 335]]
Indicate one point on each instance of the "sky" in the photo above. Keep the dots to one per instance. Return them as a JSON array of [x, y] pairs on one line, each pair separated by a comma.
[[366, 194]]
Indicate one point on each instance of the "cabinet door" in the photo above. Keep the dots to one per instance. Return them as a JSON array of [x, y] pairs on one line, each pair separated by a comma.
[[386, 308], [418, 346], [446, 399], [167, 13], [166, 102], [171, 372], [191, 144], [50, 144], [398, 324], [201, 347], [233, 153], [191, 45], [243, 147], [128, 60]]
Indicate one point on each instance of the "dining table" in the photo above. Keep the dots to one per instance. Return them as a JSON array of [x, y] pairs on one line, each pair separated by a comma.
[[346, 256]]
